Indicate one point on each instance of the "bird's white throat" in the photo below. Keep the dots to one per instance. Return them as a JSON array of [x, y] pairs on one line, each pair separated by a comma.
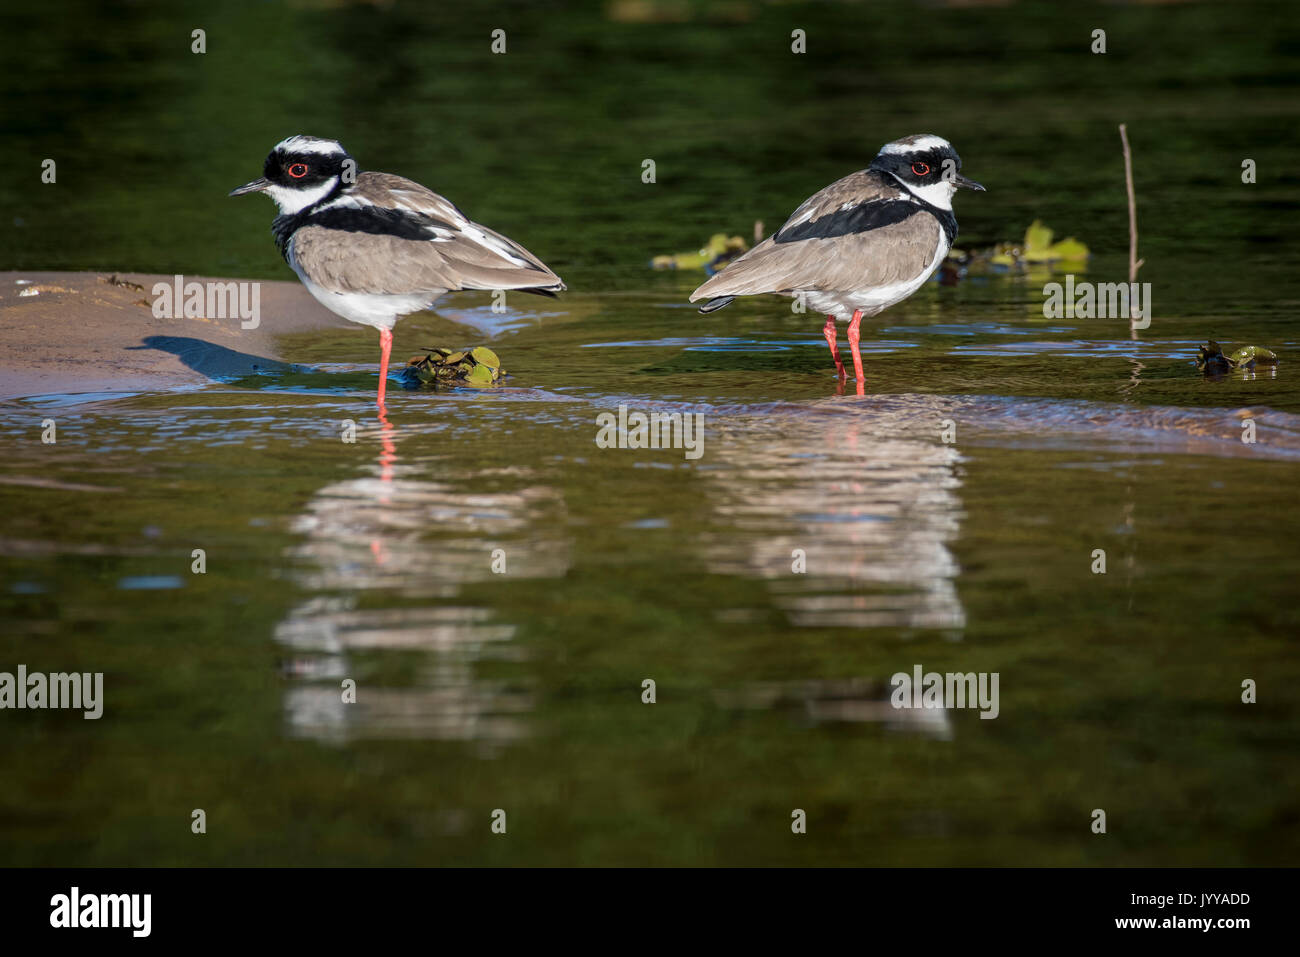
[[293, 201], [936, 194]]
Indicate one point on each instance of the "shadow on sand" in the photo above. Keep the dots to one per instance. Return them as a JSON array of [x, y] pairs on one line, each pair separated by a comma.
[[210, 359]]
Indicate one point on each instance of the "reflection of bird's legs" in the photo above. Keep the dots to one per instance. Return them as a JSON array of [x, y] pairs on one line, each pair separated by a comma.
[[854, 336], [385, 347], [828, 331], [388, 455]]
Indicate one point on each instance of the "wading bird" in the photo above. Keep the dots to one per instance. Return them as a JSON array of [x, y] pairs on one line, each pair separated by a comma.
[[860, 245], [373, 247]]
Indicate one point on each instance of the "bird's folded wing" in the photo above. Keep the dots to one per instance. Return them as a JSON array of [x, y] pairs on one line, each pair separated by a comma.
[[858, 233], [404, 237]]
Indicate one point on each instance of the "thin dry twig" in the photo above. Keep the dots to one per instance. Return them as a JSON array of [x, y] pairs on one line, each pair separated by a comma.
[[1134, 264]]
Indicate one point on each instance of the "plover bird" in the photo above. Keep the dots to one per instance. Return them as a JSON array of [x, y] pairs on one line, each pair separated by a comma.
[[373, 247], [862, 244]]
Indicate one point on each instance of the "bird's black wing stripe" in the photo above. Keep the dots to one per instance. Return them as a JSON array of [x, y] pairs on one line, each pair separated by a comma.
[[402, 223], [855, 219], [379, 220]]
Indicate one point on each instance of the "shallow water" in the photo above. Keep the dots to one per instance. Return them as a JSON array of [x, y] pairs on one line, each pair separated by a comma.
[[521, 688]]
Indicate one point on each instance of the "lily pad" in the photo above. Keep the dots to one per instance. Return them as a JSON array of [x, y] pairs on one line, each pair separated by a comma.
[[1247, 357], [485, 356], [480, 375]]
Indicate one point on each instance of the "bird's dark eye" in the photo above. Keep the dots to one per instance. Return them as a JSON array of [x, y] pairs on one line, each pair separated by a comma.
[[921, 169], [299, 170]]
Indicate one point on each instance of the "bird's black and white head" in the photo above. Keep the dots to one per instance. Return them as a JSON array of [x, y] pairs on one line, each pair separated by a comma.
[[927, 165], [302, 171]]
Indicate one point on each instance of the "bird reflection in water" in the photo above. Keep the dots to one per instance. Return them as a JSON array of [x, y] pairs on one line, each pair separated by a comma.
[[866, 494], [412, 543], [848, 511]]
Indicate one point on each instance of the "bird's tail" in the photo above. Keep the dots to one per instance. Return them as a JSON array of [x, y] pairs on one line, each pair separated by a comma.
[[548, 291]]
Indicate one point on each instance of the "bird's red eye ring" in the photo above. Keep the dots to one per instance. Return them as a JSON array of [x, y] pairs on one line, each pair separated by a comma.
[[921, 169], [299, 170]]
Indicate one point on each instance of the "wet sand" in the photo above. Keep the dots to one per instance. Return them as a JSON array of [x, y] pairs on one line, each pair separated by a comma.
[[78, 332]]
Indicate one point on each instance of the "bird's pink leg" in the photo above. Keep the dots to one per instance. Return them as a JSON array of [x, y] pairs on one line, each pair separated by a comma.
[[854, 336], [828, 331], [385, 347]]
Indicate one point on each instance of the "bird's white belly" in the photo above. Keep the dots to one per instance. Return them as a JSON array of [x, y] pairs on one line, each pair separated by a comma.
[[369, 309], [843, 303]]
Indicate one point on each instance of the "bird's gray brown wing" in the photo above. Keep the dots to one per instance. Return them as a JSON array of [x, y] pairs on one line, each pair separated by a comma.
[[343, 261], [862, 231], [388, 234]]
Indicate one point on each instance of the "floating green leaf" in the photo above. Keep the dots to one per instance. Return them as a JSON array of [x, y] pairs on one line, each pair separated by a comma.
[[716, 253], [485, 356], [1210, 358], [1037, 250], [479, 375], [1070, 250], [1247, 357], [1038, 243]]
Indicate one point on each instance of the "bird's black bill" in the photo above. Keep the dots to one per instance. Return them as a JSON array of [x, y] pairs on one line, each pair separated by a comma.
[[256, 186], [968, 183]]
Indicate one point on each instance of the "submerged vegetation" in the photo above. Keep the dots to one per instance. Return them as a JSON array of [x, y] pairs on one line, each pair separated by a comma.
[[1211, 360], [711, 257], [478, 367], [1035, 252]]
